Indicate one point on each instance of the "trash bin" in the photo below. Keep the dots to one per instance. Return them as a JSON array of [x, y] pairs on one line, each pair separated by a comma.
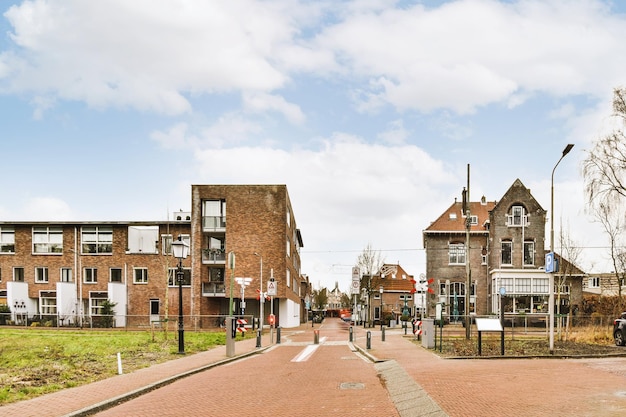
[[428, 333]]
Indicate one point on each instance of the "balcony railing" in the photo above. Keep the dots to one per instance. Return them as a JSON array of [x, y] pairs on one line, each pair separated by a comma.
[[213, 256], [213, 289], [213, 222]]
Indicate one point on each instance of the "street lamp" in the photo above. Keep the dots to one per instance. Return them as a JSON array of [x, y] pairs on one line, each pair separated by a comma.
[[180, 250], [381, 289], [261, 295], [551, 279]]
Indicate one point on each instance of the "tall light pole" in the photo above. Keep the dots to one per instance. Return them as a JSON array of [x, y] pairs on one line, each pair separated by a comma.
[[382, 290], [261, 295], [551, 280], [180, 250]]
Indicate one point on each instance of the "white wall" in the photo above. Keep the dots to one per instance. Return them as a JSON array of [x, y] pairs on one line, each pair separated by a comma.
[[289, 312]]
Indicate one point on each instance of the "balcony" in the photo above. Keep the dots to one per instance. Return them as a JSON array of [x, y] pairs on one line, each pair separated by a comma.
[[213, 256], [213, 289], [212, 223]]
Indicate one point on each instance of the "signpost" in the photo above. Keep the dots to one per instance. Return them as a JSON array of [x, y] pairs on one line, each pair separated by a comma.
[[355, 288]]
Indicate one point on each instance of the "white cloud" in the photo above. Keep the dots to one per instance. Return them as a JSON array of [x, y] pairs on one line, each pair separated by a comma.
[[47, 209], [261, 102], [347, 193]]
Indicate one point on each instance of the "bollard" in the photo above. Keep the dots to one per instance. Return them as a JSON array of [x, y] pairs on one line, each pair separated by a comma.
[[369, 340], [278, 335], [258, 338], [383, 334], [351, 332], [316, 337]]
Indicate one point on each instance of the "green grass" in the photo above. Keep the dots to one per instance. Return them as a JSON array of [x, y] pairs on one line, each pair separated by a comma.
[[34, 362]]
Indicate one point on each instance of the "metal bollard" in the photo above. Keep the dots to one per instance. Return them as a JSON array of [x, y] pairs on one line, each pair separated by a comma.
[[278, 335], [383, 334], [316, 337], [258, 338], [369, 340], [351, 333]]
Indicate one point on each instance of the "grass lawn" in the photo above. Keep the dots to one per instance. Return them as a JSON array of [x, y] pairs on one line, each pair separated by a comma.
[[38, 361]]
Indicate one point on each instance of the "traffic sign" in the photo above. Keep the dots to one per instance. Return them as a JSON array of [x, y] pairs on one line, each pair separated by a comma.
[[271, 288], [355, 288]]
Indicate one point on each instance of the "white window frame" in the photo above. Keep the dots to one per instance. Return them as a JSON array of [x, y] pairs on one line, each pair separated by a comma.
[[100, 237], [172, 280], [530, 251], [7, 239], [19, 275], [41, 275], [140, 275], [47, 304], [517, 218], [66, 275], [594, 282], [456, 254], [509, 251], [96, 299], [90, 275], [166, 244], [111, 274], [47, 240]]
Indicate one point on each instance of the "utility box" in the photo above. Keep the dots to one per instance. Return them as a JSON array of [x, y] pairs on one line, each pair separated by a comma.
[[428, 333]]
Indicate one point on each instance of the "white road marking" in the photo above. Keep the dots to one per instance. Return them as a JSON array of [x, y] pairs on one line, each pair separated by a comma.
[[307, 352]]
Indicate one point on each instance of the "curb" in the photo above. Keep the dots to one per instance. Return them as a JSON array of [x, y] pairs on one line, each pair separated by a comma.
[[114, 401]]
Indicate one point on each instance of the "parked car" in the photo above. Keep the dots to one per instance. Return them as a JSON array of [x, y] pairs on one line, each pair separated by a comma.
[[619, 330]]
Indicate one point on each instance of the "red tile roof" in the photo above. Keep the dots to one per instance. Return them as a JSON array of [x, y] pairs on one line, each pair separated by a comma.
[[453, 219]]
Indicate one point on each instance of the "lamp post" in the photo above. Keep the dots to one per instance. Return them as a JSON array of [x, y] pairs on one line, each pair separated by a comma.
[[180, 250], [381, 289], [261, 295], [551, 279]]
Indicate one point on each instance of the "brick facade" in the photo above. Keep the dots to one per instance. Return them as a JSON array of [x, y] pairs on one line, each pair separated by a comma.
[[259, 220]]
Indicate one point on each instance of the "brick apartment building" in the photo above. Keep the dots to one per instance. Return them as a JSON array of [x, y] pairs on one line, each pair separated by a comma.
[[65, 271], [506, 251], [387, 294]]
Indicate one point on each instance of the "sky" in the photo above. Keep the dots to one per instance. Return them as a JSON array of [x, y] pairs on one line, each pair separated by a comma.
[[372, 112]]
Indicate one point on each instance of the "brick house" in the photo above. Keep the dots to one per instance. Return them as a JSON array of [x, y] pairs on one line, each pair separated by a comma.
[[388, 293], [506, 253], [66, 270]]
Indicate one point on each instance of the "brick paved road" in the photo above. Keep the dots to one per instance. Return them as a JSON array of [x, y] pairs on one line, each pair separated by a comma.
[[295, 378]]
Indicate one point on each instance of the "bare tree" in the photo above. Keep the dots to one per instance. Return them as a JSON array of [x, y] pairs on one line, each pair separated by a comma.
[[570, 251], [369, 262], [604, 171], [611, 221]]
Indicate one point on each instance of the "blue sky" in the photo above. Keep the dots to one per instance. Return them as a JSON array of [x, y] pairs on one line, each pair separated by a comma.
[[369, 111]]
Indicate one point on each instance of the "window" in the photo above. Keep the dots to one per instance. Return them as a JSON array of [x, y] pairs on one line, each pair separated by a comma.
[[115, 274], [214, 214], [508, 283], [288, 278], [473, 220], [506, 253], [97, 239], [456, 253], [517, 217], [594, 282], [90, 275], [143, 239], [96, 300], [216, 274], [140, 276], [172, 279], [541, 285], [48, 303], [522, 285], [166, 244], [66, 275], [18, 274], [47, 239], [529, 253], [7, 239], [41, 275], [154, 306], [288, 247]]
